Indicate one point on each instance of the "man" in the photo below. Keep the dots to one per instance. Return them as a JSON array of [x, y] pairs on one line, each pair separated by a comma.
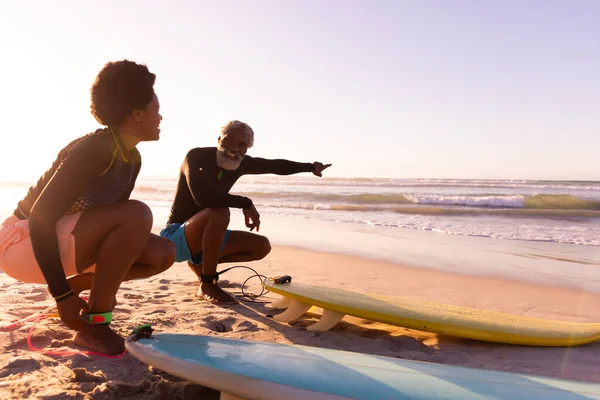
[[200, 212]]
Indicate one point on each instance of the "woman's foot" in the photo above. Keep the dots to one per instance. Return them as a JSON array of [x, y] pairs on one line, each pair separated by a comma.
[[100, 338], [214, 294]]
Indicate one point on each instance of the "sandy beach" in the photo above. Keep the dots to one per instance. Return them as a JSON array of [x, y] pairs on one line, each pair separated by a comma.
[[168, 303]]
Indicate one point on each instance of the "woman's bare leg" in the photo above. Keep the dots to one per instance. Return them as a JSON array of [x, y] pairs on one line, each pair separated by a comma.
[[157, 257], [113, 237]]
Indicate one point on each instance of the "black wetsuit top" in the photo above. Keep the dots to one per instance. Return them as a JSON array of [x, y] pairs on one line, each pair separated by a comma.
[[92, 170], [202, 184]]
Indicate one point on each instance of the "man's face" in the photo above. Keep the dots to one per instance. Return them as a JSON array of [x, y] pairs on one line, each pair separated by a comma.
[[232, 148]]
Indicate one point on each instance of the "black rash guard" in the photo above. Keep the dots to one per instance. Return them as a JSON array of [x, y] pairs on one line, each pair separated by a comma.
[[92, 170], [202, 184]]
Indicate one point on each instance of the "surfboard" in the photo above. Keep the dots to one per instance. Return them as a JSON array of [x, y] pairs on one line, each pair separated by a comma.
[[427, 316], [243, 369]]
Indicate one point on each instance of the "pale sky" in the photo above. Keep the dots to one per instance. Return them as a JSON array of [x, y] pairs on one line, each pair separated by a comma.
[[406, 89]]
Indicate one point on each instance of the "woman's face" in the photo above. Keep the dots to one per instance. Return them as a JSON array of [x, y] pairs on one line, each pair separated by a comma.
[[147, 121]]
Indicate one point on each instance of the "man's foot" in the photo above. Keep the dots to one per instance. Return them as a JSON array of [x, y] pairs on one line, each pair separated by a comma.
[[214, 294], [100, 338]]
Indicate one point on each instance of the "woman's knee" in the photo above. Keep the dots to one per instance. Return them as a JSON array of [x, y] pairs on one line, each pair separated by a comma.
[[137, 215]]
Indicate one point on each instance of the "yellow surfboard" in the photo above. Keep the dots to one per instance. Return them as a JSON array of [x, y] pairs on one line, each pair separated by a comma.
[[444, 319]]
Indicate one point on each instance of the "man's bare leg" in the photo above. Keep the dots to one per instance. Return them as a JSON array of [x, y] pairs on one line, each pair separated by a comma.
[[240, 247], [204, 233]]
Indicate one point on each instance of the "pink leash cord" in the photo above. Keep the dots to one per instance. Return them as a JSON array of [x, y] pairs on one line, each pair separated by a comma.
[[13, 325], [37, 319]]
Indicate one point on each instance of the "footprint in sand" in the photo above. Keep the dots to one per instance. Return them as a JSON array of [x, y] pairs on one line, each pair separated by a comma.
[[219, 327], [37, 296], [19, 363], [303, 322], [247, 326], [227, 324], [26, 364], [134, 296]]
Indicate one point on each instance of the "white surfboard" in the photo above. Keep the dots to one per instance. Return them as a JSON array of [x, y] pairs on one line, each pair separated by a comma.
[[243, 369]]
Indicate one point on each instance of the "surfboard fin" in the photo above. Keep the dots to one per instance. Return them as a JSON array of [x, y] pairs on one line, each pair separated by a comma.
[[295, 310], [327, 321], [283, 302]]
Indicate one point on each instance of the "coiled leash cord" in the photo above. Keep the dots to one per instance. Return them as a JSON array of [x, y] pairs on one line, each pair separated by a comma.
[[248, 297]]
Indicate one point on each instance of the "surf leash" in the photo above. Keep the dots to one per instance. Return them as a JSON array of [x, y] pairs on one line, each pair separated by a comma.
[[143, 331], [14, 325], [46, 314], [280, 280], [248, 297]]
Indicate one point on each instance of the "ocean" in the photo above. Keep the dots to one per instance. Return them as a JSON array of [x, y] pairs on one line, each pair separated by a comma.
[[549, 211]]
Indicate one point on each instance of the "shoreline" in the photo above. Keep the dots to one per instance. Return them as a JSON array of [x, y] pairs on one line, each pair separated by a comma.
[[550, 263]]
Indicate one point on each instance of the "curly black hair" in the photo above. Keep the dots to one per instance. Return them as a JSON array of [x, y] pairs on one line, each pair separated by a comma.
[[120, 88]]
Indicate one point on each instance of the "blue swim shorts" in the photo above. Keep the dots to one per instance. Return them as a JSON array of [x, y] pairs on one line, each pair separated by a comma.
[[175, 233]]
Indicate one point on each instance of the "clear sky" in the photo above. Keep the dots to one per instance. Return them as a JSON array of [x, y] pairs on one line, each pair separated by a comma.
[[408, 89]]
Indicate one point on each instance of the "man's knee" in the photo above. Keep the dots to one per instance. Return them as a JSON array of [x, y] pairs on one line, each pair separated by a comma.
[[221, 216], [263, 247]]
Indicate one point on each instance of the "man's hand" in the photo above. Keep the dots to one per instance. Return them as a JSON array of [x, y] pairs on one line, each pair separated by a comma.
[[318, 168], [70, 312], [252, 218]]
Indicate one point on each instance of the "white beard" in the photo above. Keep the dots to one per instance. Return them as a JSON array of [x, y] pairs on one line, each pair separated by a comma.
[[225, 162]]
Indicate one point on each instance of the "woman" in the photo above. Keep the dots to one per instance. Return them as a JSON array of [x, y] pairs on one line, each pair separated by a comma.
[[77, 229]]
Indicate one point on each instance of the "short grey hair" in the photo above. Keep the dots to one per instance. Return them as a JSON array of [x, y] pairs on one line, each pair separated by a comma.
[[239, 125]]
